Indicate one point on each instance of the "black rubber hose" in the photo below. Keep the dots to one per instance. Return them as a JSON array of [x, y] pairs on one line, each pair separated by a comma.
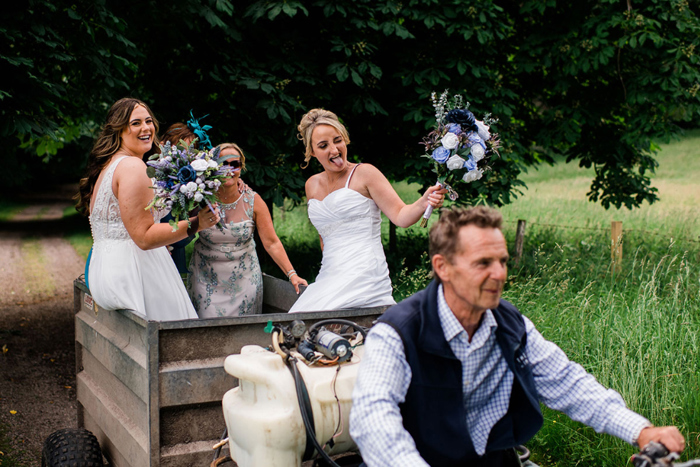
[[340, 321], [218, 450], [310, 432]]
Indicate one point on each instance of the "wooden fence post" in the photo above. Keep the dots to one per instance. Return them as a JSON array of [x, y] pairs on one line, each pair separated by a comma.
[[616, 245], [519, 240]]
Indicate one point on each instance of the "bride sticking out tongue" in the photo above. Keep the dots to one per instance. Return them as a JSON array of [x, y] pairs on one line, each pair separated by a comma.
[[345, 203]]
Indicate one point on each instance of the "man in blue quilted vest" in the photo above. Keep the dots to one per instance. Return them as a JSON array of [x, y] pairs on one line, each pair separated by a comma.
[[453, 376]]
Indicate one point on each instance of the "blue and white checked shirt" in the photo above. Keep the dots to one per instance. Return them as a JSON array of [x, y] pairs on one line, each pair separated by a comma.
[[384, 377]]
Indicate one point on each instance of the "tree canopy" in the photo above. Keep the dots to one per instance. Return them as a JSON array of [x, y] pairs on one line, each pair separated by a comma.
[[597, 82]]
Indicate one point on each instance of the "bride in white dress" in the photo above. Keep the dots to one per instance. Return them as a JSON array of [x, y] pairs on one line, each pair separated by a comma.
[[345, 203], [130, 267]]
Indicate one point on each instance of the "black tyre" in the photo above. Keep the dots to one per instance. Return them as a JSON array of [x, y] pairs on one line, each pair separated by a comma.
[[71, 447]]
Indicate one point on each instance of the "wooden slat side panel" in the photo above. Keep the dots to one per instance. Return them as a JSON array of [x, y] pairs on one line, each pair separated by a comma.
[[126, 324], [194, 382], [200, 422], [133, 407], [114, 457], [123, 434], [201, 341], [189, 454], [278, 293], [153, 394], [211, 342], [117, 355]]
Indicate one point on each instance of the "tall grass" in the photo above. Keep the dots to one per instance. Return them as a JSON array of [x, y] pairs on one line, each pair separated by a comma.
[[637, 332]]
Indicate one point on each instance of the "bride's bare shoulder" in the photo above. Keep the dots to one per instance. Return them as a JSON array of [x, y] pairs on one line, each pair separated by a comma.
[[313, 184]]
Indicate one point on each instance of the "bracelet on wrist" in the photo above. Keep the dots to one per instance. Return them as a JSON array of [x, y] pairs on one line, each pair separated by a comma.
[[290, 273]]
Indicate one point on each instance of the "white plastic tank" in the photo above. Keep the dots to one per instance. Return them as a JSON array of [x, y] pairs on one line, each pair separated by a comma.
[[262, 414]]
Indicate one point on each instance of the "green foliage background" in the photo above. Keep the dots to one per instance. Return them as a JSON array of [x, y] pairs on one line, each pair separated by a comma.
[[590, 81]]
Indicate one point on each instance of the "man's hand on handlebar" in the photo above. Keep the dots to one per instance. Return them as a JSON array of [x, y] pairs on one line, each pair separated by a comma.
[[669, 436]]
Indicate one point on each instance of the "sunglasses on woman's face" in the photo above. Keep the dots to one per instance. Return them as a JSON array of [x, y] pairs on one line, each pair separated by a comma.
[[233, 163]]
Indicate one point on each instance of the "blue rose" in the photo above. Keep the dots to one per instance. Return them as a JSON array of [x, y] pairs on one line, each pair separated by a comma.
[[469, 164], [187, 174], [462, 117], [441, 154], [454, 128]]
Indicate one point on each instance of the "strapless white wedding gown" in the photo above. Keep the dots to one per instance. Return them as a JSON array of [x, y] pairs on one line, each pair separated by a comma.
[[354, 273], [122, 275]]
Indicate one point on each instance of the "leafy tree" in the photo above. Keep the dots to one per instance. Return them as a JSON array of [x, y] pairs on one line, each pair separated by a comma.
[[592, 81], [62, 63]]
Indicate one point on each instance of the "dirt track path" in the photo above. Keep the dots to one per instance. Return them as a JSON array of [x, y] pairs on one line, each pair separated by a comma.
[[37, 374]]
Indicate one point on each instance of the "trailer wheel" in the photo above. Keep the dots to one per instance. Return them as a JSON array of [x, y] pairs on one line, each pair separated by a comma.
[[71, 447]]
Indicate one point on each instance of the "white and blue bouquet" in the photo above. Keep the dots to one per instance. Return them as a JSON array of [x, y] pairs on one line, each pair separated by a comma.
[[185, 179], [460, 146]]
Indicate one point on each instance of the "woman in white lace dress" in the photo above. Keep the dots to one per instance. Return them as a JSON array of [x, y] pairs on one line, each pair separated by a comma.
[[345, 203], [130, 267]]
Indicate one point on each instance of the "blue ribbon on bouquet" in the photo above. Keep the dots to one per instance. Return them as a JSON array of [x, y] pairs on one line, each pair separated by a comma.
[[200, 131]]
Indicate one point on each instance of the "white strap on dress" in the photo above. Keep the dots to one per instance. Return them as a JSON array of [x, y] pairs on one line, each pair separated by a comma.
[[347, 184]]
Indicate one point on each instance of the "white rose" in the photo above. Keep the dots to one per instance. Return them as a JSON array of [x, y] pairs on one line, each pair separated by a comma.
[[209, 184], [198, 197], [477, 152], [183, 188], [483, 130], [473, 175], [450, 141], [455, 162], [212, 164], [191, 187], [198, 181], [200, 165], [217, 183]]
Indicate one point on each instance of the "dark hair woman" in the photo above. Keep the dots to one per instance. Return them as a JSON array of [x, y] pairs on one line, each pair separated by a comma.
[[130, 267]]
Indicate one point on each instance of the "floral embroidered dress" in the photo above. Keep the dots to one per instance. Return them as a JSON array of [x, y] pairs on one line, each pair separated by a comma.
[[122, 275], [225, 277]]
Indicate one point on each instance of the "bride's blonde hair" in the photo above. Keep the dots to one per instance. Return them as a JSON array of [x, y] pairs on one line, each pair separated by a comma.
[[310, 121]]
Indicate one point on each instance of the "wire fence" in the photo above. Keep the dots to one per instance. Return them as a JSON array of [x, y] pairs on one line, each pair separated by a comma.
[[604, 229]]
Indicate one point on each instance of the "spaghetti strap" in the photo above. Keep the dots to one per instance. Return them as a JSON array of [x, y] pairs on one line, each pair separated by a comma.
[[347, 184]]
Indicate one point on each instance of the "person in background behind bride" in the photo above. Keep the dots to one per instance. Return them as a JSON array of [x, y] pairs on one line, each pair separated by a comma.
[[130, 267], [345, 203]]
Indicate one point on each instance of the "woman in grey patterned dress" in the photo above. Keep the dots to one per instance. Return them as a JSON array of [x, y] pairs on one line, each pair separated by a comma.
[[225, 277]]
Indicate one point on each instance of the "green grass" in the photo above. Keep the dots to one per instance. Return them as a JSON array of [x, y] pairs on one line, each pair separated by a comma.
[[70, 211], [8, 209], [81, 241], [35, 271], [7, 455], [557, 195]]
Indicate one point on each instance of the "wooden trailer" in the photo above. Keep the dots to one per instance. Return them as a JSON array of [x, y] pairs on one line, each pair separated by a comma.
[[151, 391]]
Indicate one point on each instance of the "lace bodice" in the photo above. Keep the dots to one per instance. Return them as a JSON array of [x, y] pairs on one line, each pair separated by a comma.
[[105, 218]]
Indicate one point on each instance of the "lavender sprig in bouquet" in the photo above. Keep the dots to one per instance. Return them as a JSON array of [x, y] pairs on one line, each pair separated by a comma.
[[460, 145], [186, 178]]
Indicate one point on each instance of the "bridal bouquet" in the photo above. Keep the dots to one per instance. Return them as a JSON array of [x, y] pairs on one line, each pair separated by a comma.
[[460, 146], [185, 178]]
